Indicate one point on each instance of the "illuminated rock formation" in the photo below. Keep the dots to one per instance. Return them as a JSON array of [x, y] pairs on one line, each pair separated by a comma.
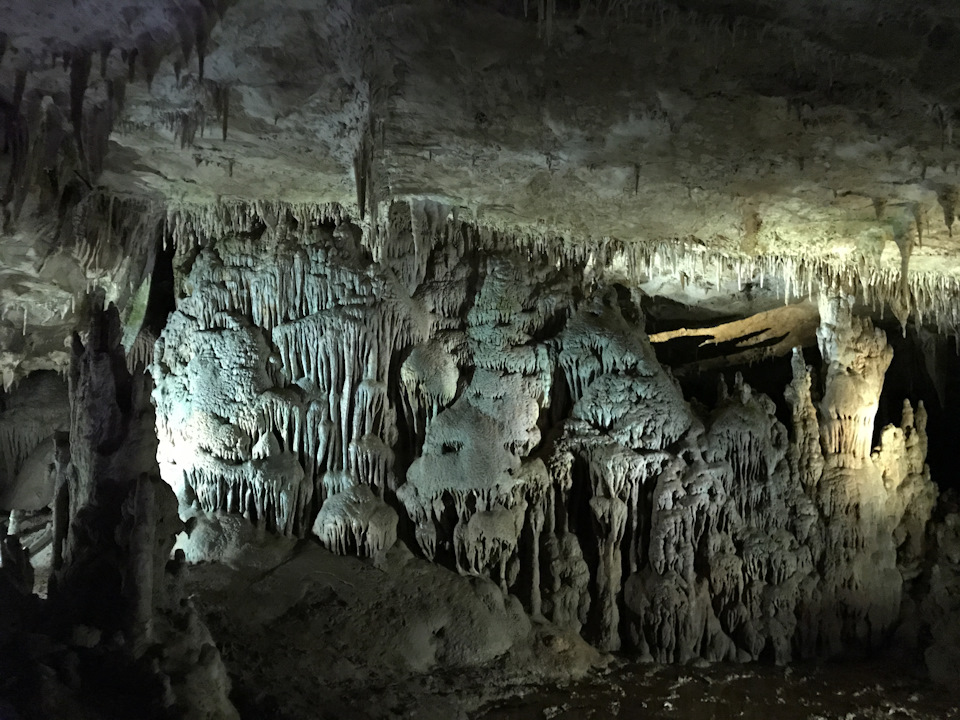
[[355, 520], [856, 357], [722, 536]]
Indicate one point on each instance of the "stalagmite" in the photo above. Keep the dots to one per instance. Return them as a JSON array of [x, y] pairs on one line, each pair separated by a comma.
[[355, 520], [806, 456], [113, 573], [857, 356]]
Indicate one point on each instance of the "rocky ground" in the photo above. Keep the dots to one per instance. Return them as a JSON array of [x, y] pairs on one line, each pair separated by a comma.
[[357, 640], [805, 692], [324, 636]]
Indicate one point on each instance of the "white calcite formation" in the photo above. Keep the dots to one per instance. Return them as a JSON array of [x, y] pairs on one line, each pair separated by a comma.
[[498, 406], [856, 357], [355, 520]]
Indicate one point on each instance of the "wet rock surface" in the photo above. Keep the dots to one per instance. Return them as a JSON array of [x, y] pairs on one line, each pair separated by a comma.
[[803, 692]]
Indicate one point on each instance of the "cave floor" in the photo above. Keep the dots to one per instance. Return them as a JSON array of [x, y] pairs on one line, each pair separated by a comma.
[[307, 634], [806, 692]]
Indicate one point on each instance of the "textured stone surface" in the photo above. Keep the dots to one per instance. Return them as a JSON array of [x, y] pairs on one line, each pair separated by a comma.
[[552, 453]]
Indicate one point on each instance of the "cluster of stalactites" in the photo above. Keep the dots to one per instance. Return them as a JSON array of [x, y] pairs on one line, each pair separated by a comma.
[[336, 325], [429, 379], [403, 242], [486, 541], [334, 342], [743, 438], [140, 355], [17, 440], [272, 292], [106, 247], [268, 493], [619, 477], [681, 515], [925, 295], [341, 365], [110, 232], [58, 151], [188, 227], [429, 511], [58, 147], [706, 543]]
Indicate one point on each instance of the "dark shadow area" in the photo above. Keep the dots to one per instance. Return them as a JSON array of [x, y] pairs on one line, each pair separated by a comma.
[[925, 367], [162, 300]]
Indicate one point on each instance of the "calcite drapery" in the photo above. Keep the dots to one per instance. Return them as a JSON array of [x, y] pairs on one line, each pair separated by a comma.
[[517, 421]]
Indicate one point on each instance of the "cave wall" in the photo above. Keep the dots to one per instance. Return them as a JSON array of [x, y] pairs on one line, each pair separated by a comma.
[[500, 409]]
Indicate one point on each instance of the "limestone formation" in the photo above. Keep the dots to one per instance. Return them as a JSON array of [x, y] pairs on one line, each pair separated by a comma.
[[114, 572], [940, 609], [34, 411], [356, 520], [725, 536]]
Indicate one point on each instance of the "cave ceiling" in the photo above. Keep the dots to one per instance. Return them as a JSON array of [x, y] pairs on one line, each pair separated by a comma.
[[815, 132]]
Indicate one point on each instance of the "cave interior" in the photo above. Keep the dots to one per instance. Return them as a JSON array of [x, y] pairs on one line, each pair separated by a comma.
[[479, 359]]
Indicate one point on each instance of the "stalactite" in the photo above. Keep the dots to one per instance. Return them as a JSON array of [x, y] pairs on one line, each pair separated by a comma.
[[201, 45], [221, 104], [362, 161], [131, 57], [79, 77], [921, 294]]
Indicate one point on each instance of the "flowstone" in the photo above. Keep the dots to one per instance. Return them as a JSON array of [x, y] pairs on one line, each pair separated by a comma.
[[358, 521]]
